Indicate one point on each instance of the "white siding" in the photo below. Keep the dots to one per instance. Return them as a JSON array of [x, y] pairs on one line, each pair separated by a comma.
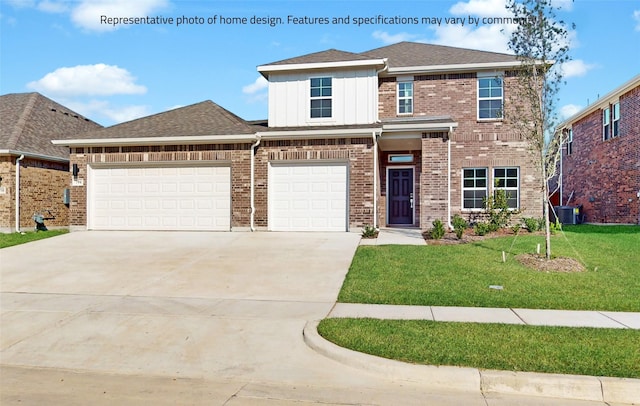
[[354, 100]]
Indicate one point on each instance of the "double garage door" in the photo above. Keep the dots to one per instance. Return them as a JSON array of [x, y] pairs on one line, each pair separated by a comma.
[[160, 198], [302, 197]]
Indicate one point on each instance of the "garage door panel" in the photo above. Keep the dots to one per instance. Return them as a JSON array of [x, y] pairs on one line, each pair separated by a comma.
[[160, 198], [308, 197]]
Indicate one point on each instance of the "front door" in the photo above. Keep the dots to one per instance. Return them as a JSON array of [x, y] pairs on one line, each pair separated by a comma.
[[400, 196]]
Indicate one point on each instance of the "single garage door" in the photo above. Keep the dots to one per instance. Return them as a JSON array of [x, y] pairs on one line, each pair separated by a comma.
[[160, 198], [308, 197]]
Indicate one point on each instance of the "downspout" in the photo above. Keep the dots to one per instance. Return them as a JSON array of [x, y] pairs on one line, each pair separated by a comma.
[[449, 178], [375, 179], [18, 192], [253, 206]]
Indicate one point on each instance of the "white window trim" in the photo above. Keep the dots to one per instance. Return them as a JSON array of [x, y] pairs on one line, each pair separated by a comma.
[[486, 189], [404, 98], [488, 75], [517, 189], [606, 122], [615, 121], [310, 98], [570, 142]]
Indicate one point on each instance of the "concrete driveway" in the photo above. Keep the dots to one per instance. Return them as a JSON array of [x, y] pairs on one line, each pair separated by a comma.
[[182, 318]]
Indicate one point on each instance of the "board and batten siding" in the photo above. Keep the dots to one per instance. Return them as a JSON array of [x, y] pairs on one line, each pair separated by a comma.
[[354, 98]]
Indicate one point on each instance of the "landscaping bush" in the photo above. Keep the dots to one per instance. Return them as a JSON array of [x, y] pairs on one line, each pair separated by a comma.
[[459, 225], [497, 208], [532, 224], [437, 232], [369, 231], [482, 228]]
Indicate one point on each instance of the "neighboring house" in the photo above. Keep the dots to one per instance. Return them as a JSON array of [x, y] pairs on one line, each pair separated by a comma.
[[28, 123], [396, 136], [601, 160]]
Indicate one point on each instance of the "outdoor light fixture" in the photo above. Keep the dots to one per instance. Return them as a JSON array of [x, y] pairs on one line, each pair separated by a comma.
[[75, 170]]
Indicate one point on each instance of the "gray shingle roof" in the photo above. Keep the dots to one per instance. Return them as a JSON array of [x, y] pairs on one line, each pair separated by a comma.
[[29, 121], [330, 55], [405, 54], [200, 119]]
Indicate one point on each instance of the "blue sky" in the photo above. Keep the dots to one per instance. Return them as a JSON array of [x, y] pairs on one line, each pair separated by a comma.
[[113, 74]]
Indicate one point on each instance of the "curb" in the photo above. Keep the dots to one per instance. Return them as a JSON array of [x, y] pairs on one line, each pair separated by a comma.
[[579, 387]]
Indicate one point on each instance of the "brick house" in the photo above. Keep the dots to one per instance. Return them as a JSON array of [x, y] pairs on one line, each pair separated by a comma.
[[601, 161], [396, 136], [28, 123]]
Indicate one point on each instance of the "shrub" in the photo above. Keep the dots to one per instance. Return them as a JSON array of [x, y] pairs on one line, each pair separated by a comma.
[[531, 223], [369, 231], [515, 228], [497, 208], [437, 232], [459, 225], [554, 227], [482, 228]]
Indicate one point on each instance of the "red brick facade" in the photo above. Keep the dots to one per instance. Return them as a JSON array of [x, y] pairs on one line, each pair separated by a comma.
[[604, 175]]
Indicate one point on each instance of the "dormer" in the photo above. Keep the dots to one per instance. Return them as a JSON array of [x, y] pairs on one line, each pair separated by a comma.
[[323, 89]]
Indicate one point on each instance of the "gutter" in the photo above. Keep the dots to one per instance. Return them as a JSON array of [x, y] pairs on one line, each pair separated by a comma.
[[252, 198], [203, 139], [18, 192], [33, 156], [375, 179], [449, 179]]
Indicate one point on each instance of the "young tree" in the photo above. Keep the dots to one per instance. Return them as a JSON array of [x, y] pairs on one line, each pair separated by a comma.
[[541, 43]]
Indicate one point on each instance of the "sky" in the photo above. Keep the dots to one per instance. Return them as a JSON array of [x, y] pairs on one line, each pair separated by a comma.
[[189, 51]]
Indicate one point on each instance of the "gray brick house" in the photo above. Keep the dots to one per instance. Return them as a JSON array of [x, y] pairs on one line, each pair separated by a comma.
[[28, 123], [396, 136]]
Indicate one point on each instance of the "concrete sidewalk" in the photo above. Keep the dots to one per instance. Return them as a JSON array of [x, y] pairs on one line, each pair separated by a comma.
[[533, 317]]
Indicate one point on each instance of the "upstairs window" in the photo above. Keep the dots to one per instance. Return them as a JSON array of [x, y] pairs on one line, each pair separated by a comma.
[[405, 97], [320, 97], [606, 123], [615, 118], [570, 142], [490, 98]]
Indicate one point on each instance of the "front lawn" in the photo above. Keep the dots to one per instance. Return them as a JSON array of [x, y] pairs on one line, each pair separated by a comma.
[[8, 240], [461, 275], [564, 350]]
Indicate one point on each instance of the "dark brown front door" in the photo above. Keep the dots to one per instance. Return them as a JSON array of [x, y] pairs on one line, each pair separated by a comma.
[[401, 196]]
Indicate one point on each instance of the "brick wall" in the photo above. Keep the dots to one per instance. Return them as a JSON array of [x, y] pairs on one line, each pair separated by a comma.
[[357, 152], [42, 185], [474, 143], [604, 176], [236, 155]]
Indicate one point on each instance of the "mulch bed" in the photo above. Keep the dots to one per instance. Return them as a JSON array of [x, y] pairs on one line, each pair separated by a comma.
[[560, 264]]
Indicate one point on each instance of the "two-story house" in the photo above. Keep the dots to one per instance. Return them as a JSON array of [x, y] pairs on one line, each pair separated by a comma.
[[396, 136], [601, 159]]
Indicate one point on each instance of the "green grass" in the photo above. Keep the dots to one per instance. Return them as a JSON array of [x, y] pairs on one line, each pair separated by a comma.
[[8, 240], [579, 351], [460, 275]]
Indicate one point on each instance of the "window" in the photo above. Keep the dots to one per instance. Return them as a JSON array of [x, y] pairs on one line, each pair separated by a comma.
[[570, 142], [489, 98], [403, 158], [616, 120], [320, 97], [474, 187], [405, 97], [606, 124], [507, 179]]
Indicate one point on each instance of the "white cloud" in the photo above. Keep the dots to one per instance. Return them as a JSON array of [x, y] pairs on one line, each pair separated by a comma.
[[387, 38], [98, 79], [21, 3], [259, 84], [575, 68], [564, 5], [636, 17], [482, 8], [569, 110], [486, 37], [87, 13]]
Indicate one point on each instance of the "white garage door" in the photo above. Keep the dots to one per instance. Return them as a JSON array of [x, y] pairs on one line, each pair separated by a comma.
[[160, 198], [309, 197]]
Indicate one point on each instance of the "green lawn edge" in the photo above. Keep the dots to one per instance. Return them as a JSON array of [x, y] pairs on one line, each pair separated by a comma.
[[558, 350], [12, 239]]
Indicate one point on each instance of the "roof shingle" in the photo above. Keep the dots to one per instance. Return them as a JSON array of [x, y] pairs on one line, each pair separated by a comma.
[[29, 121], [200, 119]]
